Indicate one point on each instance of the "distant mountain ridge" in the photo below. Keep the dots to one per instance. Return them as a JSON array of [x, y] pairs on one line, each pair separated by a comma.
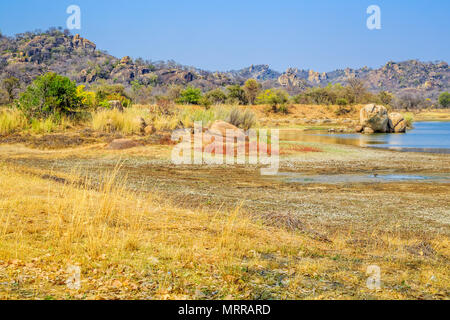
[[28, 55]]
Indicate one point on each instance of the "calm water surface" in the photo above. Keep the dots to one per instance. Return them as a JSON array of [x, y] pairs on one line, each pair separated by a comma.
[[425, 137]]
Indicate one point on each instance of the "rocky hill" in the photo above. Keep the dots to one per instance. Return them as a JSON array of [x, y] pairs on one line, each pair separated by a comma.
[[425, 78], [28, 55]]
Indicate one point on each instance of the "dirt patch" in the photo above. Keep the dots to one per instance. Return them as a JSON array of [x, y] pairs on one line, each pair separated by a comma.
[[122, 144], [421, 249], [54, 178], [54, 141], [163, 138], [86, 136]]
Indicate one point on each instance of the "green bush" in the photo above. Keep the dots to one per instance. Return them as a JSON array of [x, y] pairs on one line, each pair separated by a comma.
[[385, 98], [409, 119], [444, 99], [273, 97], [237, 95], [205, 102], [323, 96], [333, 94], [50, 94], [342, 102], [216, 96], [284, 108], [252, 88], [190, 95], [109, 92], [10, 85]]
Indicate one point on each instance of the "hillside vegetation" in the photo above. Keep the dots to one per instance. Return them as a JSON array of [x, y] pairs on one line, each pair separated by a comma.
[[28, 55]]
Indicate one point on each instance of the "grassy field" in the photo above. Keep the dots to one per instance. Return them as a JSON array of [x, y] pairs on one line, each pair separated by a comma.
[[139, 227], [434, 115], [303, 117], [138, 231]]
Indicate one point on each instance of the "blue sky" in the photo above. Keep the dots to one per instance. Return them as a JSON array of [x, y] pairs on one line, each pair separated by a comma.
[[223, 35]]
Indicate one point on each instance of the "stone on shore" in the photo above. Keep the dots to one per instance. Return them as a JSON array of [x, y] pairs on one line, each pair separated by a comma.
[[220, 128], [397, 123], [375, 117]]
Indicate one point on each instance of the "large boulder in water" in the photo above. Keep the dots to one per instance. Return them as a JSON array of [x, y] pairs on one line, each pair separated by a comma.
[[368, 130], [375, 117], [397, 123]]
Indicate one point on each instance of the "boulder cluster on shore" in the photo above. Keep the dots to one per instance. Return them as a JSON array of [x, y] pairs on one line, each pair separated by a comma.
[[376, 119]]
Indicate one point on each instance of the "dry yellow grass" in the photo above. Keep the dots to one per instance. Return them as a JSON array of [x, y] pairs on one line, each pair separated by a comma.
[[137, 246], [433, 115], [12, 120], [127, 122], [308, 112]]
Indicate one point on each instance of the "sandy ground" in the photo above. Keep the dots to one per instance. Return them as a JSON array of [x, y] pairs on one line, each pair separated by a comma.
[[410, 206]]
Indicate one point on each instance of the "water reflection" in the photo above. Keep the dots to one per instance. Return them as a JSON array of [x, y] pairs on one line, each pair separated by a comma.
[[425, 137], [296, 177]]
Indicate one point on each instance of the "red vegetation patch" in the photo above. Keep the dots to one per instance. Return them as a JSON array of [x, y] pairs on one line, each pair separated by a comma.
[[254, 146], [294, 148]]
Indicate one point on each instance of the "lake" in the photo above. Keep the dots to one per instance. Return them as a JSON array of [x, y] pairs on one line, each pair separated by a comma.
[[425, 137]]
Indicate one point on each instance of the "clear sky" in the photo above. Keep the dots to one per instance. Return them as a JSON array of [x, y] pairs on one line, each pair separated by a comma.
[[222, 35]]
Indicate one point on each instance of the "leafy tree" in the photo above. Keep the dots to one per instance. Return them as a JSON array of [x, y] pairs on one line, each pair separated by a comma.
[[205, 102], [216, 96], [354, 92], [385, 97], [140, 92], [251, 89], [323, 96], [10, 85], [107, 92], [273, 97], [444, 99], [341, 102], [237, 94], [87, 97], [174, 92], [50, 94], [190, 95], [300, 99], [357, 89]]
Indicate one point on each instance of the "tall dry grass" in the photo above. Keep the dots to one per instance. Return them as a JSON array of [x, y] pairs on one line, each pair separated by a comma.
[[409, 119], [132, 245], [129, 121], [12, 120]]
